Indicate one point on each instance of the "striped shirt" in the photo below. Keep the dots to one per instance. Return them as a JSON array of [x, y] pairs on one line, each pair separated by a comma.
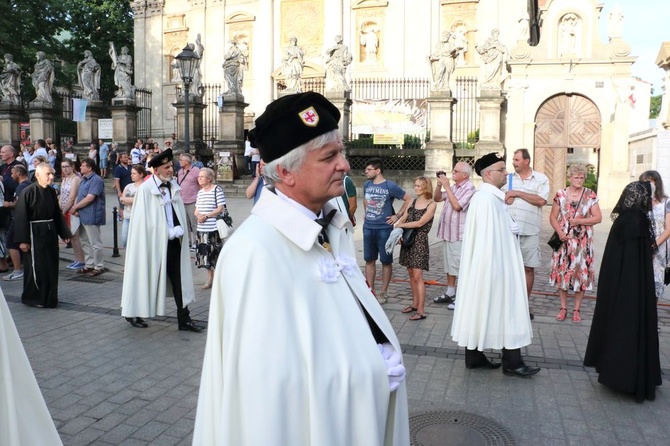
[[526, 215], [452, 222], [206, 203]]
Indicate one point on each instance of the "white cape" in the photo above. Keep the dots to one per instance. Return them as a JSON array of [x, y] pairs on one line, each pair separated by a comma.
[[24, 417], [290, 359], [145, 281], [491, 299]]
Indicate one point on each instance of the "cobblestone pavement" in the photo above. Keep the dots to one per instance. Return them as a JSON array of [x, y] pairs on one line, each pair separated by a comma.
[[107, 383]]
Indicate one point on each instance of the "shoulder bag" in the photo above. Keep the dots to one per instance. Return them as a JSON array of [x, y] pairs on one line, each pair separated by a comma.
[[224, 222], [555, 241], [409, 234]]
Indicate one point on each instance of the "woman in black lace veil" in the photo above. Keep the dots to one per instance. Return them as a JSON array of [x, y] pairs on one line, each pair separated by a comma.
[[623, 343]]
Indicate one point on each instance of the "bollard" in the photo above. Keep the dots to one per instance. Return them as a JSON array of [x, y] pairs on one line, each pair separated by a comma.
[[115, 218]]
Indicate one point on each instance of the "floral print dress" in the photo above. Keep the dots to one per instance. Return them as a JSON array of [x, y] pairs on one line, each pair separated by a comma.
[[572, 264], [660, 260]]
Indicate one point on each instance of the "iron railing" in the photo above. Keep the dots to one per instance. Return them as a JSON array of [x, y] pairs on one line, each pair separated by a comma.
[[144, 101]]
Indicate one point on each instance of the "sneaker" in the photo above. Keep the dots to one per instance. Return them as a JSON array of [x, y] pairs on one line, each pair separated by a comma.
[[76, 265], [444, 299], [451, 306], [15, 275]]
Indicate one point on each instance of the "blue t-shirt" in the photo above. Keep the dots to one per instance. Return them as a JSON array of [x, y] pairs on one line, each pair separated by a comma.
[[379, 202], [104, 151], [94, 213]]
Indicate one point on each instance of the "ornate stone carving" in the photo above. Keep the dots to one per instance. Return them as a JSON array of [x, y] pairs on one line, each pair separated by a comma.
[[494, 55], [303, 19], [88, 75], [10, 82], [293, 63], [338, 57], [43, 78]]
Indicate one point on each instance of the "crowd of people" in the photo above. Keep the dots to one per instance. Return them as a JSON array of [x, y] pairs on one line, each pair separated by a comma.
[[332, 351]]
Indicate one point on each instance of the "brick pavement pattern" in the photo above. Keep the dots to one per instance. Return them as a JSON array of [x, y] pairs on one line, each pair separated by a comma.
[[107, 383]]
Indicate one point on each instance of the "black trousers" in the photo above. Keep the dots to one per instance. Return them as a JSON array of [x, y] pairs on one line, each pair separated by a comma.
[[174, 275], [511, 359]]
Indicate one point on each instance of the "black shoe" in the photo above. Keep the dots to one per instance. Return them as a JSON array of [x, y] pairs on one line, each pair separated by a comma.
[[191, 326], [486, 364], [444, 299], [523, 371], [532, 316], [137, 322]]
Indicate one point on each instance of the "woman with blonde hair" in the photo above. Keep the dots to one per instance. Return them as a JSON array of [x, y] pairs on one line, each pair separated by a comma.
[[68, 194], [419, 217], [573, 214]]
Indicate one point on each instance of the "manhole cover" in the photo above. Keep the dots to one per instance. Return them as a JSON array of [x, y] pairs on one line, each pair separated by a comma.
[[88, 279], [455, 428]]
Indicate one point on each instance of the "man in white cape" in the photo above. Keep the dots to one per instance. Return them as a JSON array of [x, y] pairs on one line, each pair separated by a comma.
[[298, 351], [492, 310], [158, 262], [24, 417]]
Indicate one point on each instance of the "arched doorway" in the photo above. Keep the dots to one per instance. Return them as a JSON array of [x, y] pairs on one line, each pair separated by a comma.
[[567, 129]]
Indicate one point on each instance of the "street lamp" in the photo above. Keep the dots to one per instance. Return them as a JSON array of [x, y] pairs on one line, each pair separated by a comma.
[[188, 65]]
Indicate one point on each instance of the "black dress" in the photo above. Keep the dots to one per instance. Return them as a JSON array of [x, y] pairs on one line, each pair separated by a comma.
[[623, 343], [39, 222], [417, 255]]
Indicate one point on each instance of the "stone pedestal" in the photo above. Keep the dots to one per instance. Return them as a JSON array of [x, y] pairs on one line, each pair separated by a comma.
[[87, 131], [489, 122], [231, 129], [440, 149], [342, 100], [195, 121], [42, 120], [124, 122], [10, 117]]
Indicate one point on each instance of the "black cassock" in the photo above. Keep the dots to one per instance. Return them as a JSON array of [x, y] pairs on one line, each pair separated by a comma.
[[39, 222], [623, 343]]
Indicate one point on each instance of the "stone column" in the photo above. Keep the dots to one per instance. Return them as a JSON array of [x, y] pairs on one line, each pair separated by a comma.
[[42, 120], [195, 121], [124, 122], [10, 117], [231, 132], [489, 122], [87, 131], [440, 149], [342, 100]]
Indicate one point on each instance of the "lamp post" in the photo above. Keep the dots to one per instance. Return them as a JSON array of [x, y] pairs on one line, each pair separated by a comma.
[[188, 64]]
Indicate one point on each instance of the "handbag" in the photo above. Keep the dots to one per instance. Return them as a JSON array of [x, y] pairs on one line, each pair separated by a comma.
[[666, 276], [555, 241], [408, 235], [224, 222]]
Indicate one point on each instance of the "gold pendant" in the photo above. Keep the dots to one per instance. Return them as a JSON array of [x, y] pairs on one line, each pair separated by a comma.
[[326, 246]]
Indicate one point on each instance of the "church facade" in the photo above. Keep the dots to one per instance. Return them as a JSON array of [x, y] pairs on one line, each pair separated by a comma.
[[569, 98]]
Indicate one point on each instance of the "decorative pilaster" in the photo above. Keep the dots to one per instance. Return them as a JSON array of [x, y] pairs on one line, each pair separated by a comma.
[[490, 103], [440, 149], [124, 122]]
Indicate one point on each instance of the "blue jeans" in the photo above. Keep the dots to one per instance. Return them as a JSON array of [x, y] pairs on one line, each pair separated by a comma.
[[374, 245]]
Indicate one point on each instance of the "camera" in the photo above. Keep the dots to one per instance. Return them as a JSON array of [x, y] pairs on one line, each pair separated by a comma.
[[440, 173]]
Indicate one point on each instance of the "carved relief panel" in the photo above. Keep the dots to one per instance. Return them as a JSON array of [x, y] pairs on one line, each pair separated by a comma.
[[240, 29], [304, 20], [459, 16], [570, 29], [174, 40]]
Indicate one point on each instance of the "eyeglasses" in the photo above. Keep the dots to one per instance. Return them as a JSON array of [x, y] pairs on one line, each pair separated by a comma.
[[370, 168]]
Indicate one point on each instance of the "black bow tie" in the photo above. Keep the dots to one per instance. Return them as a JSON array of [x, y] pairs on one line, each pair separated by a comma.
[[324, 222], [165, 184]]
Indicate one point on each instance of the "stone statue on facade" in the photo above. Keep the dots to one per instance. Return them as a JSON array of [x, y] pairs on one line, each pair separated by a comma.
[[568, 30], [88, 75], [234, 62], [338, 57], [370, 41], [494, 55], [123, 72], [443, 62], [199, 50], [10, 82], [293, 63], [43, 78]]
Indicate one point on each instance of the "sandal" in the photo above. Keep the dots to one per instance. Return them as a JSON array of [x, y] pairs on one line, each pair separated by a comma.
[[96, 272], [417, 317], [576, 318], [562, 314], [409, 309], [84, 270], [206, 286]]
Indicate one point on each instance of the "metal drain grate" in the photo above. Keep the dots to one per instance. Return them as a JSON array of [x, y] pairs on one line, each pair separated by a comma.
[[455, 428], [87, 279]]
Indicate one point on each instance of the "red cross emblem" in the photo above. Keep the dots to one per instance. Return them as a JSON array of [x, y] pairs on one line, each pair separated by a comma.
[[309, 117]]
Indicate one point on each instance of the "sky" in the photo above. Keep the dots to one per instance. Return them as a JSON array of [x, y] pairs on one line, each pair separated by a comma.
[[645, 27]]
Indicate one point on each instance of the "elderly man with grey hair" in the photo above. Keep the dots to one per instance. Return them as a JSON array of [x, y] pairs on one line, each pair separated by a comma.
[[292, 320], [456, 199], [187, 178]]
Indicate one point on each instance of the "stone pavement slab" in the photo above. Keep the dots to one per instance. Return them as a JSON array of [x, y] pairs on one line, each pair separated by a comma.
[[107, 383]]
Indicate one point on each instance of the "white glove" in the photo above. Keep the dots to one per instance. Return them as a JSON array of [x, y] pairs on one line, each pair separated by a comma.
[[175, 232], [394, 367]]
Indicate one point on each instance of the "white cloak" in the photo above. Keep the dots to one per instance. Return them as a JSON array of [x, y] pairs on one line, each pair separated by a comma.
[[145, 282], [290, 358], [24, 417], [491, 299]]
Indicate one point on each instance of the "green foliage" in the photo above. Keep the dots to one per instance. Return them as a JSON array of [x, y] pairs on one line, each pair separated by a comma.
[[655, 106], [63, 29], [473, 137]]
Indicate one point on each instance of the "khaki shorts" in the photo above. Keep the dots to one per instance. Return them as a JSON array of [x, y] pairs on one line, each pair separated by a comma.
[[530, 250], [452, 257]]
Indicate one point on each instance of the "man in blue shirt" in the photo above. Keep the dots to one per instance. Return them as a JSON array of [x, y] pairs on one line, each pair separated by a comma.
[[104, 154], [379, 194], [90, 208]]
